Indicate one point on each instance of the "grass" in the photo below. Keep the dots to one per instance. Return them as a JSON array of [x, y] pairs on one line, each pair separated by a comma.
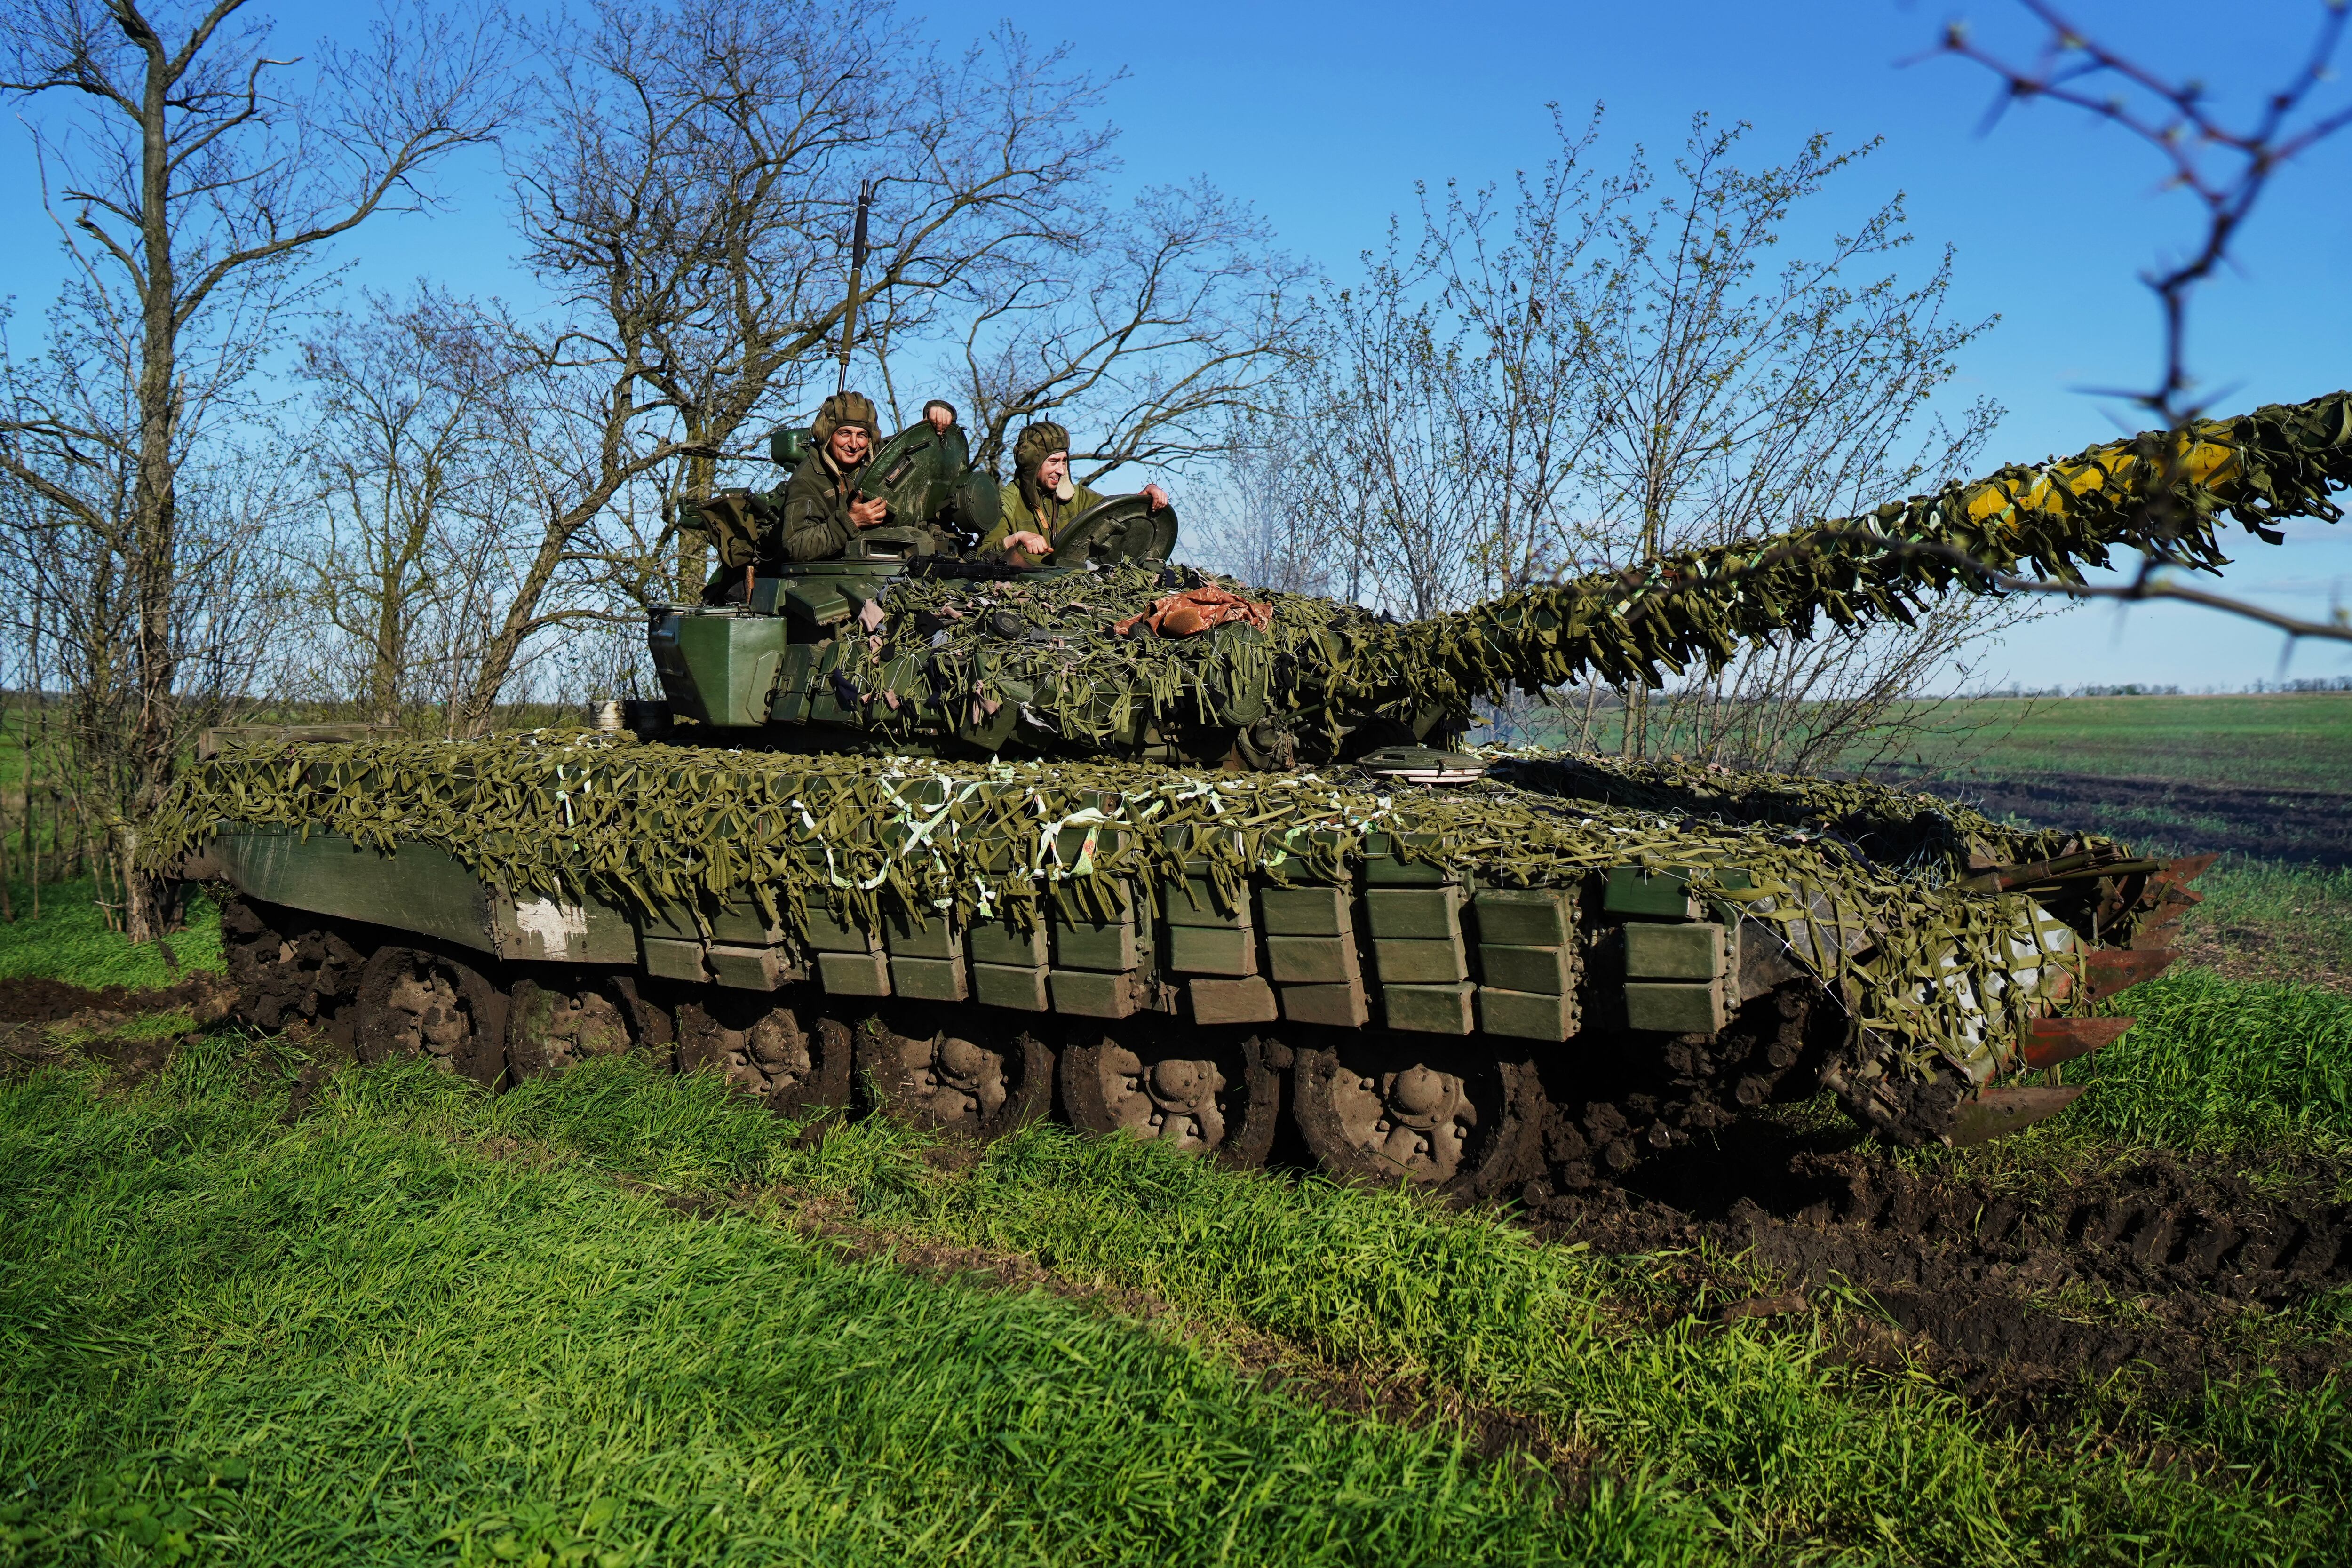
[[2293, 740], [72, 942], [2301, 741], [423, 1324], [2224, 1065], [2276, 920], [367, 1339]]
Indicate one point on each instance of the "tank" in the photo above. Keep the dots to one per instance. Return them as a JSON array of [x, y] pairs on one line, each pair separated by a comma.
[[972, 846]]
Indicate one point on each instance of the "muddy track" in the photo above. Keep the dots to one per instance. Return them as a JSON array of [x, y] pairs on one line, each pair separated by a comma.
[[2019, 1290], [41, 1000], [35, 1014], [2173, 815]]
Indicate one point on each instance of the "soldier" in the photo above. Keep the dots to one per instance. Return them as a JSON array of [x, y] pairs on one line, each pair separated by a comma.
[[1042, 497], [821, 511]]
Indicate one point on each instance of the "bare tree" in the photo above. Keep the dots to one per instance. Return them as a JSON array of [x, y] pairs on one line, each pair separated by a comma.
[[80, 648], [1377, 427], [1732, 402], [1156, 331], [1598, 371], [198, 181], [1254, 526], [686, 201], [415, 506], [1446, 412], [2225, 167]]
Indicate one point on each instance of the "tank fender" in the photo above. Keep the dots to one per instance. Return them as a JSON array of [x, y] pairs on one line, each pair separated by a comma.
[[418, 889]]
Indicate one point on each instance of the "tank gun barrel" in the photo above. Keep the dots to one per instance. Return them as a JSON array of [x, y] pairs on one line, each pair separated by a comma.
[[2160, 491]]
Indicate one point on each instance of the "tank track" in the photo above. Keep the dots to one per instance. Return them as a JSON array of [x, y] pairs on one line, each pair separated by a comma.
[[1558, 1068], [1457, 1117], [1773, 1052]]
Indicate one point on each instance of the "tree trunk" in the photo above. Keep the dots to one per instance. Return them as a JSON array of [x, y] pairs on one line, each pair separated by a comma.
[[693, 556], [154, 495], [521, 619]]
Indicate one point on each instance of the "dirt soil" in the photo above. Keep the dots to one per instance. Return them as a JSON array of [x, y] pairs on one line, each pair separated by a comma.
[[37, 1015], [39, 1001], [2018, 1291], [2279, 956], [2171, 816]]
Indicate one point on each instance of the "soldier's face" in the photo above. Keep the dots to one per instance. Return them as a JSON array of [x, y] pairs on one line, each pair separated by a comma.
[[1054, 471], [849, 445]]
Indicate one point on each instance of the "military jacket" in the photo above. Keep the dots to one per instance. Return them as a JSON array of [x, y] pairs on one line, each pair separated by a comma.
[[1050, 518], [816, 525]]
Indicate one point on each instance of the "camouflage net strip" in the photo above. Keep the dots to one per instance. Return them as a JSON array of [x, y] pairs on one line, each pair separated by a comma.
[[2152, 492], [1035, 661], [1922, 835], [563, 814]]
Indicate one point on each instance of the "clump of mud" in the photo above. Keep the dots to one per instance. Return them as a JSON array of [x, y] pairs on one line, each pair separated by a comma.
[[43, 1000]]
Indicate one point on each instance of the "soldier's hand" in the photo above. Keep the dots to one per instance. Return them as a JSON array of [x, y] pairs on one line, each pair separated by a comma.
[[868, 513], [1035, 543], [1159, 497]]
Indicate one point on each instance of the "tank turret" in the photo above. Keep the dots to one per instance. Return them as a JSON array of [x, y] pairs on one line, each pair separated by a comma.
[[903, 647]]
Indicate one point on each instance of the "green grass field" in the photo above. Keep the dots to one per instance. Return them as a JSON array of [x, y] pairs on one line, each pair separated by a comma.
[[72, 938], [591, 1322], [2300, 740], [2267, 780]]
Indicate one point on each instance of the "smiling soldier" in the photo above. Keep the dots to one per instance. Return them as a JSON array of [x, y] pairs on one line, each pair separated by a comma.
[[1043, 498], [821, 511]]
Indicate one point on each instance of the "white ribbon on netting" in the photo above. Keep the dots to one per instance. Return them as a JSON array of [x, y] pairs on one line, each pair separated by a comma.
[[1049, 843]]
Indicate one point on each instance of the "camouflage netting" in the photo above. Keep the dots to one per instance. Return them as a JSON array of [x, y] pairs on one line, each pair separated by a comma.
[[1924, 834], [958, 649], [561, 815]]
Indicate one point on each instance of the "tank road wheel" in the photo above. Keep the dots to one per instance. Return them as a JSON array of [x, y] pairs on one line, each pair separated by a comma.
[[771, 1050], [555, 1021], [1451, 1121], [953, 1072], [286, 966], [1187, 1089], [416, 1002]]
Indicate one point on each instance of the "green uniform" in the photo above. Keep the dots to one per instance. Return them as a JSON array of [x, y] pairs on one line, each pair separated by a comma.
[[816, 525], [1049, 519]]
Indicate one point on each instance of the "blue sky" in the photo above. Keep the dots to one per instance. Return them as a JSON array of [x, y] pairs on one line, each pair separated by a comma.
[[1324, 115]]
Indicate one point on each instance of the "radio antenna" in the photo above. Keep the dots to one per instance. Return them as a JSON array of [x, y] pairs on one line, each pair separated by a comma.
[[856, 268]]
